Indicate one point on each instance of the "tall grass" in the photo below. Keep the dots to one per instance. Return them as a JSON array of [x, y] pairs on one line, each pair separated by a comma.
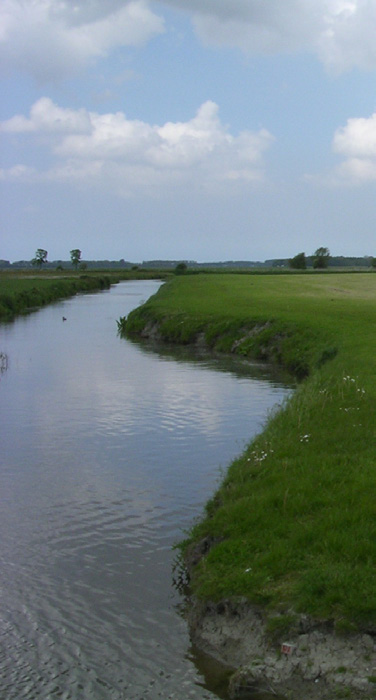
[[293, 524], [22, 293]]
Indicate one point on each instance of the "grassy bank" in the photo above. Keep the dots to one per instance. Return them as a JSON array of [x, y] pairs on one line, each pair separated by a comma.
[[293, 525], [22, 291]]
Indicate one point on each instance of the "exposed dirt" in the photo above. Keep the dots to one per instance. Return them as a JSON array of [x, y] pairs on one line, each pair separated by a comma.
[[312, 663]]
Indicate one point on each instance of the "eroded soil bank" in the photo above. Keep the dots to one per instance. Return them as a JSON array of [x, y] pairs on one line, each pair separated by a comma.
[[311, 663]]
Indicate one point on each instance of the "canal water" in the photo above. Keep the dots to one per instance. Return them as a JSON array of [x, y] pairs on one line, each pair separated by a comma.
[[108, 452]]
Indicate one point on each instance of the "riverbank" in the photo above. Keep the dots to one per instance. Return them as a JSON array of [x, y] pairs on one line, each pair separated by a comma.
[[24, 291], [309, 661], [291, 530]]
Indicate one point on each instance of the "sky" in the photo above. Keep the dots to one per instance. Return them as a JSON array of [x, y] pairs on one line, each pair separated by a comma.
[[205, 130]]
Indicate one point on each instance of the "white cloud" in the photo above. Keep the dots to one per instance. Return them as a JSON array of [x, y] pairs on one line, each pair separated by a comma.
[[348, 38], [356, 142], [355, 171], [46, 117], [340, 32], [53, 38], [132, 156], [357, 138]]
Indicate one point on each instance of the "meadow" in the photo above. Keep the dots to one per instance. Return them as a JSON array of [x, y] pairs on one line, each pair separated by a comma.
[[23, 291], [292, 526]]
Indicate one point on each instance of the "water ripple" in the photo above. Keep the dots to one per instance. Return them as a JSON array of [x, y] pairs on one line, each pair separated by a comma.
[[108, 454]]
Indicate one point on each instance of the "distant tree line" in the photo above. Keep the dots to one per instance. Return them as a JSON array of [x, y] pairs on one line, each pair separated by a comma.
[[319, 260], [322, 259], [40, 259]]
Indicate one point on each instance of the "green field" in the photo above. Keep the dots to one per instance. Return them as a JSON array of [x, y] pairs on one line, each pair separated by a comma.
[[293, 525], [23, 291]]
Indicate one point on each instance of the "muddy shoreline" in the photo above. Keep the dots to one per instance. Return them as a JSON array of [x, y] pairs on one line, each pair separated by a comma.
[[312, 663]]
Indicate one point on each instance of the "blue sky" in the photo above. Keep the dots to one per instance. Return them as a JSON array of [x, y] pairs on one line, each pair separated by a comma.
[[176, 129]]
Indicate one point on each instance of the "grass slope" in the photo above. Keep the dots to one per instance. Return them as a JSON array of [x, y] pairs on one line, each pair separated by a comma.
[[293, 525], [22, 291]]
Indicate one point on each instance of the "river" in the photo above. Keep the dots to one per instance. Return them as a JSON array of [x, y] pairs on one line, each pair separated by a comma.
[[109, 451]]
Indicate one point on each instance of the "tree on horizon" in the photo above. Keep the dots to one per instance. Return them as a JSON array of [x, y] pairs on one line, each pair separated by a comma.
[[75, 256], [40, 258], [321, 258], [298, 262]]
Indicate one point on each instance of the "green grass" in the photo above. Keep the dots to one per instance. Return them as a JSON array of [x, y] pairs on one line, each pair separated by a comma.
[[294, 520], [22, 291]]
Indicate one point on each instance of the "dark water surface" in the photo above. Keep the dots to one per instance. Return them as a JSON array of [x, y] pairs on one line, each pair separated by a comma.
[[108, 452]]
